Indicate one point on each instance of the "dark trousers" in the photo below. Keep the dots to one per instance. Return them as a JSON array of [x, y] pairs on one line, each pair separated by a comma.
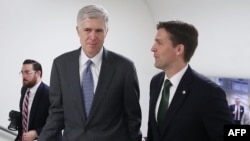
[[237, 122]]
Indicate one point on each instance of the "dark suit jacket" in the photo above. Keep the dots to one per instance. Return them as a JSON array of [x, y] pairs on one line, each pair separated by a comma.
[[232, 107], [39, 109], [198, 110], [115, 114]]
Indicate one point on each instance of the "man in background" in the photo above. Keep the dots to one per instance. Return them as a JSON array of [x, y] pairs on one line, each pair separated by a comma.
[[237, 111], [94, 92], [34, 102], [184, 105]]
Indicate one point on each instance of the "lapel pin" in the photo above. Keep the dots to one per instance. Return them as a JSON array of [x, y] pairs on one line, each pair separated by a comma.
[[183, 92]]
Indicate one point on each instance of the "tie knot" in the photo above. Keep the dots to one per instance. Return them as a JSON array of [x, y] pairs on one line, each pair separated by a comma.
[[167, 83], [89, 62], [28, 91]]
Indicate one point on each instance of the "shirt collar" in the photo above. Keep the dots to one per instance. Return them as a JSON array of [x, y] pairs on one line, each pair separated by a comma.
[[34, 88], [96, 60], [175, 79]]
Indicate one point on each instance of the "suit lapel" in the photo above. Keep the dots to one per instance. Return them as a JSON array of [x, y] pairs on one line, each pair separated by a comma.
[[155, 88], [35, 103], [155, 94], [23, 91], [73, 76], [180, 95]]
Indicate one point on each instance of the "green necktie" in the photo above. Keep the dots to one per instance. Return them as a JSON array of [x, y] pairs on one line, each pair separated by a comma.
[[163, 104]]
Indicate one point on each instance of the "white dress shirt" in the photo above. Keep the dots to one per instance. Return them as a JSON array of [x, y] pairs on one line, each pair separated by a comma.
[[31, 99], [95, 66], [175, 80]]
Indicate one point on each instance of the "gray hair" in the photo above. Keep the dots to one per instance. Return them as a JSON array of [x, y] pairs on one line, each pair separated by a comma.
[[92, 11]]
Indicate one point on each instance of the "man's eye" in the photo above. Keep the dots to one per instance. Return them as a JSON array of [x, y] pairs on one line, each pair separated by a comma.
[[158, 42], [100, 30]]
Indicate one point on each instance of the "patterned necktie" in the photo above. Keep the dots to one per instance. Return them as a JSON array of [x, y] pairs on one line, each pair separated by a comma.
[[25, 111], [88, 87], [163, 104]]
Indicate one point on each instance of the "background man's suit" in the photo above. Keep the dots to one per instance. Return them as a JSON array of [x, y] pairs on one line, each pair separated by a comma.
[[39, 109], [115, 114], [241, 110], [198, 108]]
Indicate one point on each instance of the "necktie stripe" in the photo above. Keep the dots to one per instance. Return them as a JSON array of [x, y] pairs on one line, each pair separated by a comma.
[[25, 111]]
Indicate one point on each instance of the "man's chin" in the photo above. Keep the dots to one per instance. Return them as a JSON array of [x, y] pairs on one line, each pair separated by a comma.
[[28, 85]]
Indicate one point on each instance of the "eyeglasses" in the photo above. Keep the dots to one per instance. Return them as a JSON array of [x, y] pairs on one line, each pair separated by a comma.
[[26, 72]]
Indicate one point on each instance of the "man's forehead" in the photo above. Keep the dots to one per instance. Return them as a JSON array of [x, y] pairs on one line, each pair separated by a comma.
[[27, 66]]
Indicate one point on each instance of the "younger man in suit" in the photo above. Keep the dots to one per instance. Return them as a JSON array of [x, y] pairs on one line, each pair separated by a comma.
[[34, 102], [195, 108], [237, 111]]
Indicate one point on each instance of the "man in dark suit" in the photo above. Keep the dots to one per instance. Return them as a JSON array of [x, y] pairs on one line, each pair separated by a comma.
[[196, 108], [37, 93], [237, 111], [115, 113]]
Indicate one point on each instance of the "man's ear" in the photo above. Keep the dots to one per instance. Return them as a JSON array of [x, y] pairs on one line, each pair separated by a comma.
[[180, 49], [77, 30], [39, 73]]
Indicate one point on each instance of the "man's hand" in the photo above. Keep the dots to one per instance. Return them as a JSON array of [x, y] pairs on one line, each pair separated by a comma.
[[30, 136]]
